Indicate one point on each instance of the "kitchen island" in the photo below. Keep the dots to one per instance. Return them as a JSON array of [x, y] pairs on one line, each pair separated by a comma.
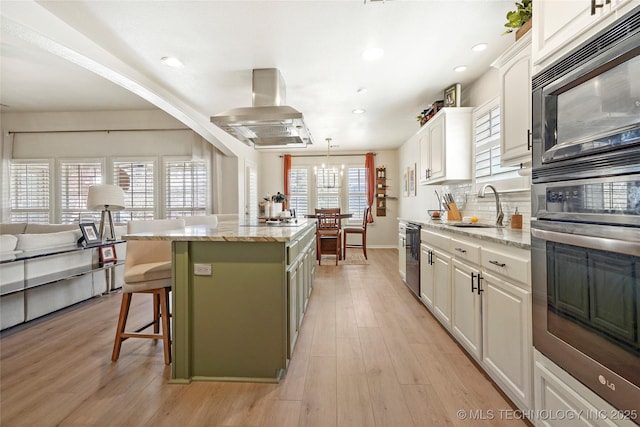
[[239, 294]]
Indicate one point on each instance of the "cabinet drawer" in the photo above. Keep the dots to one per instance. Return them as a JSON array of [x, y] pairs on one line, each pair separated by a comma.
[[292, 251], [465, 250], [507, 265], [435, 239]]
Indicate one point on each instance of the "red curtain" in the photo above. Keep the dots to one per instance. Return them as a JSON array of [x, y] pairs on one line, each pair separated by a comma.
[[370, 166], [287, 169]]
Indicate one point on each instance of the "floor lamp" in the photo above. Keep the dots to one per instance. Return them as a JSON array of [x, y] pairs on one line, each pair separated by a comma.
[[106, 198]]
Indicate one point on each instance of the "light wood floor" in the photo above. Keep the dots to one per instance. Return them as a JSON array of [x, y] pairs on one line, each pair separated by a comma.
[[369, 354]]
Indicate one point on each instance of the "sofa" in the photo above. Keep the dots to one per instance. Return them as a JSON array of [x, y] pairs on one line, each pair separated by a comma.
[[42, 254]]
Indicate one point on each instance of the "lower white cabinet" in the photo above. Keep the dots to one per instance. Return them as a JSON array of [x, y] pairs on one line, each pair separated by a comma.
[[426, 276], [481, 292], [507, 343], [466, 321], [442, 287]]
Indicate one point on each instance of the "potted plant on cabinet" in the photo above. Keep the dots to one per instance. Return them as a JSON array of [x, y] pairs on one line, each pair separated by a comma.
[[519, 20]]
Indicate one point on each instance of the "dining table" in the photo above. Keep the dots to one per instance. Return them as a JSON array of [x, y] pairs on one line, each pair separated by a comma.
[[342, 215]]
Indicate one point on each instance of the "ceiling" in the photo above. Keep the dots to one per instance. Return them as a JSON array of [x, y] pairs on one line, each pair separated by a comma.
[[316, 45]]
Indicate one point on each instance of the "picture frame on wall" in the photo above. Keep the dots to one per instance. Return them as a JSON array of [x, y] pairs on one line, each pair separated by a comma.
[[452, 96], [412, 180], [405, 182]]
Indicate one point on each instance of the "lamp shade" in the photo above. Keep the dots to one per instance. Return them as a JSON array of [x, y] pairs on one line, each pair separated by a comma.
[[105, 197]]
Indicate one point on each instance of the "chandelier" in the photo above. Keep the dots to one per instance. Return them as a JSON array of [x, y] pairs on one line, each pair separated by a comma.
[[328, 175]]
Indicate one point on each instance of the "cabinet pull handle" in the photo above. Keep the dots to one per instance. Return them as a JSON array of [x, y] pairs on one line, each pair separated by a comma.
[[529, 142], [473, 276], [464, 251], [403, 242], [430, 257], [595, 6], [499, 264], [427, 173], [479, 279]]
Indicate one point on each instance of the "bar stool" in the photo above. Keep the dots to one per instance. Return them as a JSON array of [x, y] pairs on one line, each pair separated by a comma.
[[147, 270]]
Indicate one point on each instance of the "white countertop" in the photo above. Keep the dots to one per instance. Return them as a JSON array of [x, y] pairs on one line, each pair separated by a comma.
[[230, 232], [502, 235]]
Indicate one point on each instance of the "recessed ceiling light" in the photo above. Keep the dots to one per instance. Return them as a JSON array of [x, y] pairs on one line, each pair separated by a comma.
[[372, 54], [362, 90], [171, 62], [479, 47], [359, 111], [460, 68]]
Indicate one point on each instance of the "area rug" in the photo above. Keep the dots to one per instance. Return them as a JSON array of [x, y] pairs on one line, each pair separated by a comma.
[[354, 259]]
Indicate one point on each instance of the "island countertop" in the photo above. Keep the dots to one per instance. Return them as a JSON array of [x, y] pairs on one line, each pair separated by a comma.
[[230, 232]]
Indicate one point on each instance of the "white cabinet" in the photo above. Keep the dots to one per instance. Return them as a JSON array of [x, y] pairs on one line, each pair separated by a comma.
[[506, 329], [466, 320], [514, 68], [561, 25], [402, 254], [442, 287], [445, 147], [426, 276], [466, 316], [480, 291], [435, 283]]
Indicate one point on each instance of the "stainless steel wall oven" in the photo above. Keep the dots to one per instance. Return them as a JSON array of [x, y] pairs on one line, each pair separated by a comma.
[[585, 228]]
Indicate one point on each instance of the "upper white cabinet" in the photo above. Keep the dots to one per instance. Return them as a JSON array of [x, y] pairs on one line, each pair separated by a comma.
[[445, 147], [561, 25], [514, 68]]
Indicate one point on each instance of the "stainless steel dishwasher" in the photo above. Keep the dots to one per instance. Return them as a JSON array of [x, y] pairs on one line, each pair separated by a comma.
[[412, 249]]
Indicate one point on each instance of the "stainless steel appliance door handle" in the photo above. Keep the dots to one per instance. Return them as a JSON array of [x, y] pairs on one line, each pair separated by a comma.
[[591, 242]]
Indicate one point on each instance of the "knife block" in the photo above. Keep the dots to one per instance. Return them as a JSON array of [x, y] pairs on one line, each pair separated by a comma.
[[453, 214]]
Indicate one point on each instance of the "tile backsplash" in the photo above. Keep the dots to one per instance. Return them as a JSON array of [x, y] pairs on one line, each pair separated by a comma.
[[485, 208]]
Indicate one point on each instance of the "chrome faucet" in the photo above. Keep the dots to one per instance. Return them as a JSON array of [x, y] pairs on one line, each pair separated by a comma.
[[499, 213]]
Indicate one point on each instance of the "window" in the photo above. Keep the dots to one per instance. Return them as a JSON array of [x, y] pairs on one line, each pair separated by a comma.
[[30, 191], [75, 179], [328, 182], [299, 191], [357, 191], [487, 141], [186, 188], [136, 178]]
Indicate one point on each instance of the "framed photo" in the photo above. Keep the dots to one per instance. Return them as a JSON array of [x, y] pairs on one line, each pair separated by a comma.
[[452, 96], [108, 254], [405, 189], [412, 180], [90, 235]]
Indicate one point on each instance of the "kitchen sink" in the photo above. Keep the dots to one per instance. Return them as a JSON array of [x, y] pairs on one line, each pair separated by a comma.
[[473, 225]]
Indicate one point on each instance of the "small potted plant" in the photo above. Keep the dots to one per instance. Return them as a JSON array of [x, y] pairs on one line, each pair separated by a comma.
[[519, 20], [276, 206]]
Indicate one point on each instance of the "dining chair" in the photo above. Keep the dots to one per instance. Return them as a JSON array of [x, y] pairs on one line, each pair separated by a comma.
[[361, 230], [328, 235], [147, 270]]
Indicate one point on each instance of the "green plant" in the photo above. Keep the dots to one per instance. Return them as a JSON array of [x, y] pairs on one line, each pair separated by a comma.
[[278, 198], [517, 18]]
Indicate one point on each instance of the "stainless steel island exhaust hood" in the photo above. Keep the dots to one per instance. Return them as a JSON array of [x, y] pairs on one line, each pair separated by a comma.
[[268, 123]]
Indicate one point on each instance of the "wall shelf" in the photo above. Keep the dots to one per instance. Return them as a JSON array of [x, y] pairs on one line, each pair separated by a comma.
[[381, 191]]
